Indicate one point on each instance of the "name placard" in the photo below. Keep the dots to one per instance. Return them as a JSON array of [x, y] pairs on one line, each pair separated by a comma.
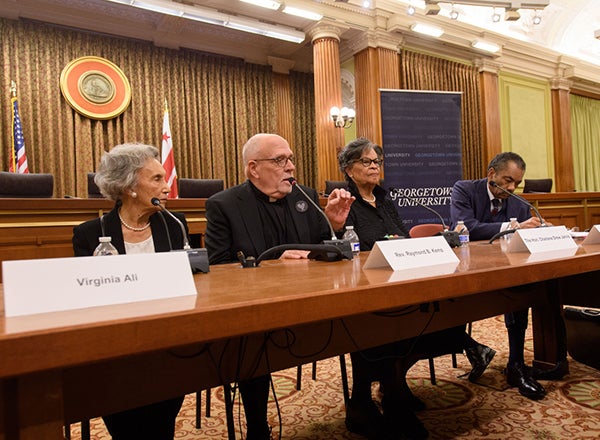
[[55, 284], [552, 238], [593, 236], [409, 254]]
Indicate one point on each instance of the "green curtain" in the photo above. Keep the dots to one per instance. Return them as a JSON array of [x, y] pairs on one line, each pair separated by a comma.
[[585, 128]]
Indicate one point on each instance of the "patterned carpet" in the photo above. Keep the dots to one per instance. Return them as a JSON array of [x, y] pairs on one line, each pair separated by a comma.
[[456, 408]]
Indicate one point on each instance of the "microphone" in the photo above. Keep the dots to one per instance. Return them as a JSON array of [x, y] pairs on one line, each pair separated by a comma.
[[450, 236], [344, 245], [537, 213], [198, 257]]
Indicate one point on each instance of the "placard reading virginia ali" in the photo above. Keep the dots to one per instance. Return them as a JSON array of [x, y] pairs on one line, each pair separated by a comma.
[[107, 279], [56, 284], [422, 150]]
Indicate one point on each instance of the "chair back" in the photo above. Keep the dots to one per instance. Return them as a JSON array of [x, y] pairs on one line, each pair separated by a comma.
[[26, 185], [330, 185], [199, 188], [93, 190], [537, 186], [425, 230]]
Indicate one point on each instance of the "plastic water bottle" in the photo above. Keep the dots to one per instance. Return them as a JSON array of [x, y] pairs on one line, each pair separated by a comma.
[[352, 237], [105, 247], [463, 233], [505, 239]]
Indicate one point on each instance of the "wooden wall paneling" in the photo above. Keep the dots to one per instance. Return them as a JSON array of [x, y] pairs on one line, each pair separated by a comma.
[[563, 143]]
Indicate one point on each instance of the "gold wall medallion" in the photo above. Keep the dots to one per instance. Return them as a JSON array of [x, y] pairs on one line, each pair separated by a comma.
[[95, 87]]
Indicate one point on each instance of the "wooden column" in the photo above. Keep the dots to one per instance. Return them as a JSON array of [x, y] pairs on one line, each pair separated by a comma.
[[328, 93], [561, 135], [490, 107], [374, 68]]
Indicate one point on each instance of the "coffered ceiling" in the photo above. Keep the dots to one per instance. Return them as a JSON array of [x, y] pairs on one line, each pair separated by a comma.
[[562, 45]]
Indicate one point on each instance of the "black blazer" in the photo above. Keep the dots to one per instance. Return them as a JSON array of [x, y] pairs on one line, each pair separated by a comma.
[[233, 222], [85, 235]]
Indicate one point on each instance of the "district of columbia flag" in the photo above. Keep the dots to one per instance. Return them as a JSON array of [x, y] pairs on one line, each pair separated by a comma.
[[168, 160], [18, 158]]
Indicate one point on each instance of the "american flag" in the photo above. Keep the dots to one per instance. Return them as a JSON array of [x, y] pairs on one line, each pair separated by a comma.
[[18, 162], [168, 160]]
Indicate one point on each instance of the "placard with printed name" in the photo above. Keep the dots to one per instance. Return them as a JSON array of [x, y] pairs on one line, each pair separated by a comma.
[[408, 254], [55, 284], [533, 240], [593, 236]]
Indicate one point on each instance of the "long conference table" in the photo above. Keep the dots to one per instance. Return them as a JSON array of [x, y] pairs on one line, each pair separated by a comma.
[[63, 367], [42, 228]]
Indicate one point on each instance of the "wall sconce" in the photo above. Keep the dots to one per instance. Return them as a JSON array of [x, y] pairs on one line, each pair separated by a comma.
[[342, 118]]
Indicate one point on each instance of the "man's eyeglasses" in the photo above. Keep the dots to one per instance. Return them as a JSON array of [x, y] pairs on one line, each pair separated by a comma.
[[280, 161], [366, 162]]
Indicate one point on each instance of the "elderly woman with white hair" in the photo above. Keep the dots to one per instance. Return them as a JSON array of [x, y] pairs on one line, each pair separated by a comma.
[[132, 176]]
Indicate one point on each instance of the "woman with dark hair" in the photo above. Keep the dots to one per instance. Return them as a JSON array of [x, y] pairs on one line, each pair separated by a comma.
[[374, 217], [131, 175]]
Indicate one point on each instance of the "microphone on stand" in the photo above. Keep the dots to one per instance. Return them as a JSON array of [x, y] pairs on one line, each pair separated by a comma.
[[198, 257], [451, 236], [343, 245], [537, 213]]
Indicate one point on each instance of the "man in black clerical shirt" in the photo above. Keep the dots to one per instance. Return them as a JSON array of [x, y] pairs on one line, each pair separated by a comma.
[[263, 212]]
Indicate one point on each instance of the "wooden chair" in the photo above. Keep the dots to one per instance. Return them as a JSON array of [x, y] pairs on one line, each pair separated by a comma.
[[537, 186], [199, 188], [14, 185]]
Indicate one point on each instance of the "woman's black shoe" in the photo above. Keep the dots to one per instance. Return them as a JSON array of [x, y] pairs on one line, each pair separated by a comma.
[[480, 357]]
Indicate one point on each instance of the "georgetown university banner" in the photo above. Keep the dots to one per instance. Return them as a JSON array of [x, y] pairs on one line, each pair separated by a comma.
[[422, 151]]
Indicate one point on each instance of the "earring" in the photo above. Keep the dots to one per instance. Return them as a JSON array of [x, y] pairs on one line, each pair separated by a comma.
[[133, 194]]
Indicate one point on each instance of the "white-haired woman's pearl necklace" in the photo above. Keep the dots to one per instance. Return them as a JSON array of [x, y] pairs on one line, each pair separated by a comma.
[[131, 228]]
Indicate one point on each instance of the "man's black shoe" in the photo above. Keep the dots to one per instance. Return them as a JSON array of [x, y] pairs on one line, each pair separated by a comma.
[[517, 375], [480, 357], [560, 370], [364, 419]]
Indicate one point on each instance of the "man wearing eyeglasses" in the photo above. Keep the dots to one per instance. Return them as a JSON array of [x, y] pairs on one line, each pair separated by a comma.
[[261, 213]]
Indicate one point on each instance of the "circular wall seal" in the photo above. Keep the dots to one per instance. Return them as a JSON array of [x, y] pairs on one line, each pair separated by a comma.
[[95, 87]]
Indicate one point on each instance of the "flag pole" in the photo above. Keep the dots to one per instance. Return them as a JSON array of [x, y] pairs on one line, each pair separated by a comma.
[[13, 154]]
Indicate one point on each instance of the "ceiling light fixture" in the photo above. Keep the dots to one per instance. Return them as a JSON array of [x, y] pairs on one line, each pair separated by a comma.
[[302, 13], [453, 13], [496, 16], [425, 29], [269, 4], [211, 16], [485, 46], [537, 18], [410, 10]]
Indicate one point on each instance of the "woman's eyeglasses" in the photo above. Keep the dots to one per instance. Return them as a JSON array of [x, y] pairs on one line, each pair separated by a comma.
[[366, 162], [280, 161]]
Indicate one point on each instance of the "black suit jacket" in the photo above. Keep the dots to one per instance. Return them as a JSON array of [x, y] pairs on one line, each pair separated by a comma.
[[85, 235], [233, 222]]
